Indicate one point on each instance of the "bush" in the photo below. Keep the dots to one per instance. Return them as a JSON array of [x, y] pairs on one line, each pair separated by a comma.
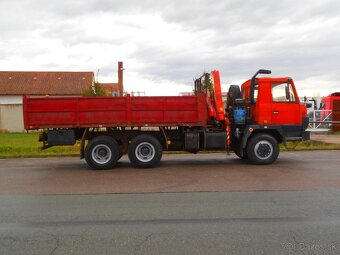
[[94, 90]]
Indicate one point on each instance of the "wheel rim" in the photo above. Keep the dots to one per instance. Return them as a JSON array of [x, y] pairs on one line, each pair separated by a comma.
[[145, 152], [101, 154], [263, 150]]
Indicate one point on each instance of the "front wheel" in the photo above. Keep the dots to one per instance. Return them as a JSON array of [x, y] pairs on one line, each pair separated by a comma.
[[244, 156], [145, 151], [263, 149]]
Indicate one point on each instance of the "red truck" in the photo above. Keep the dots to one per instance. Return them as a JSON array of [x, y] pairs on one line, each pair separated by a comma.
[[258, 117], [327, 102], [326, 106]]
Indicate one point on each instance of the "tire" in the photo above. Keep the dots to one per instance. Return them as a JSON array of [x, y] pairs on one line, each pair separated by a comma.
[[263, 149], [234, 93], [145, 151], [102, 153], [120, 156], [245, 156]]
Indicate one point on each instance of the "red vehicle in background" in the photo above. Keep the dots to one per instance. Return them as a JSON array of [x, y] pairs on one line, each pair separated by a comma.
[[259, 116], [327, 102], [326, 106]]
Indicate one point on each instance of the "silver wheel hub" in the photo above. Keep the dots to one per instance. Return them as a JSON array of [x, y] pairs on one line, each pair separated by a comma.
[[263, 150], [145, 152], [101, 154]]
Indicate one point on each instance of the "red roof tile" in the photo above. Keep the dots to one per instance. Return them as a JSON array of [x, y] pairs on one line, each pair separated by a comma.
[[44, 83], [110, 88]]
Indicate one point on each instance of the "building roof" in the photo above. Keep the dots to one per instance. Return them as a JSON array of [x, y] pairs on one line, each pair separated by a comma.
[[44, 83], [110, 88]]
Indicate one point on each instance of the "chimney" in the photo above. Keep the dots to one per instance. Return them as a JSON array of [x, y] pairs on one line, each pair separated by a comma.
[[120, 78]]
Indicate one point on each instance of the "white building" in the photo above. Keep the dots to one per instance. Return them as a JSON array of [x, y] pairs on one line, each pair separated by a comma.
[[13, 85]]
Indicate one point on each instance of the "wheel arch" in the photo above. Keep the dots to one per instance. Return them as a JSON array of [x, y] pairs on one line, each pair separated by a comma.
[[253, 130]]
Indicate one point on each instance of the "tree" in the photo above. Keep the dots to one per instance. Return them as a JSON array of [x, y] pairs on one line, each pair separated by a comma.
[[94, 90]]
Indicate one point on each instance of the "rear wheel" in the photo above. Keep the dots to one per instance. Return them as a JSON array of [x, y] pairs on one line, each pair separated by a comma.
[[102, 153], [145, 151], [262, 149]]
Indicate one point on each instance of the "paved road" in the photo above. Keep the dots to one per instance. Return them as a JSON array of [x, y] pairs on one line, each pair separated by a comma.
[[177, 173], [291, 207], [327, 138], [291, 222]]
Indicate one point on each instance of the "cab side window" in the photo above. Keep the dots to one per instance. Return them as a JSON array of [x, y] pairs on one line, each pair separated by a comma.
[[282, 92]]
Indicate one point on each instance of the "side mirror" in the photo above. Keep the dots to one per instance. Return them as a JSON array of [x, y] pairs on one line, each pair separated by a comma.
[[287, 92]]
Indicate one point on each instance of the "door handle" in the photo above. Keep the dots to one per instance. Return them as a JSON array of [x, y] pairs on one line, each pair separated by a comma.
[[276, 112]]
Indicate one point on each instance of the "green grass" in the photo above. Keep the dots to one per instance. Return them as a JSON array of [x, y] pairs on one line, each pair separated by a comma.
[[14, 145], [309, 145]]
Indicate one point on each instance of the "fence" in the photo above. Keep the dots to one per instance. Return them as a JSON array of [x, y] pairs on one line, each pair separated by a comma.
[[320, 120]]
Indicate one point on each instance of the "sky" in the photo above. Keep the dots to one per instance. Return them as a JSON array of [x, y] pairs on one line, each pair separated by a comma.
[[166, 44]]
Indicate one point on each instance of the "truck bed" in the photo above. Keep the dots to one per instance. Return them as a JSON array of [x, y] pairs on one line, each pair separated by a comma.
[[91, 112]]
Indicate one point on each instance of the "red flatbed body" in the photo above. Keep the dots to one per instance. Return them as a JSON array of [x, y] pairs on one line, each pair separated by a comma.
[[127, 111]]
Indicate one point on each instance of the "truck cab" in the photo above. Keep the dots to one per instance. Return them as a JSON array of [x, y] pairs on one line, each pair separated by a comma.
[[326, 106], [272, 111], [275, 104], [327, 102]]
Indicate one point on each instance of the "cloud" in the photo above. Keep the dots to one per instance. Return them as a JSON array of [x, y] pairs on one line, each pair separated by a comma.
[[171, 42]]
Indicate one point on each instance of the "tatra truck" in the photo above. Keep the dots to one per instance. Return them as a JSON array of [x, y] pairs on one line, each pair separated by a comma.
[[255, 120]]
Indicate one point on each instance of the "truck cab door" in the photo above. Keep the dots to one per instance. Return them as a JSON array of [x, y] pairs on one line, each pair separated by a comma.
[[285, 104]]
